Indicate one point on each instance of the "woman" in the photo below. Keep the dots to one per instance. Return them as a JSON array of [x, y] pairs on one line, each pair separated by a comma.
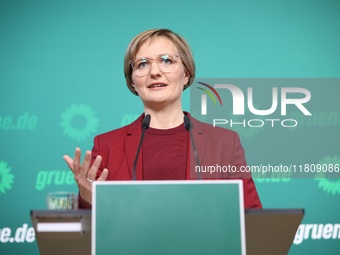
[[158, 66]]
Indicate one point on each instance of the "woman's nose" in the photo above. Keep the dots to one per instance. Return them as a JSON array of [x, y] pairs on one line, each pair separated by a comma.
[[154, 68]]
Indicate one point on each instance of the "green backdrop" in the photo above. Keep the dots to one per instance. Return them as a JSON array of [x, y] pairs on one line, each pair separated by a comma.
[[62, 82]]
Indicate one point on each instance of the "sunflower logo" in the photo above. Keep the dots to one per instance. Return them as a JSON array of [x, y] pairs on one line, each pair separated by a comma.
[[79, 121], [331, 186], [6, 178]]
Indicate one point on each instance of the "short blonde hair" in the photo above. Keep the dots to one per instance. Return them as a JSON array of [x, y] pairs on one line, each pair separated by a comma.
[[179, 42]]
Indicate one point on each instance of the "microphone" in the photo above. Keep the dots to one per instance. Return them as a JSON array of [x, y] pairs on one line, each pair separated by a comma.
[[145, 126], [188, 126]]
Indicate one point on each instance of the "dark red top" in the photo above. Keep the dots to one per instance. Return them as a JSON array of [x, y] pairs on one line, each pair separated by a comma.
[[165, 153]]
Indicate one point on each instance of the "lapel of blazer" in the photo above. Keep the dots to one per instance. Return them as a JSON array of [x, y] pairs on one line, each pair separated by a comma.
[[134, 132], [200, 143]]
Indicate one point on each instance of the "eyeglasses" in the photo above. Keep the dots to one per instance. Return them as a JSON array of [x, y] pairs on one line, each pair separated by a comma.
[[166, 63]]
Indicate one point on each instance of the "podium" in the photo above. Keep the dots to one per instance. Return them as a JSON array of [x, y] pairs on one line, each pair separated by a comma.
[[59, 232], [201, 217], [168, 217]]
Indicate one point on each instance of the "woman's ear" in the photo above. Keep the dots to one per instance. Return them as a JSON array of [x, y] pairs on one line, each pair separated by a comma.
[[186, 79], [134, 88]]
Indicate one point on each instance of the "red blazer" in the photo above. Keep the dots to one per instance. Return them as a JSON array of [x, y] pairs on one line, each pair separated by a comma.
[[215, 146]]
